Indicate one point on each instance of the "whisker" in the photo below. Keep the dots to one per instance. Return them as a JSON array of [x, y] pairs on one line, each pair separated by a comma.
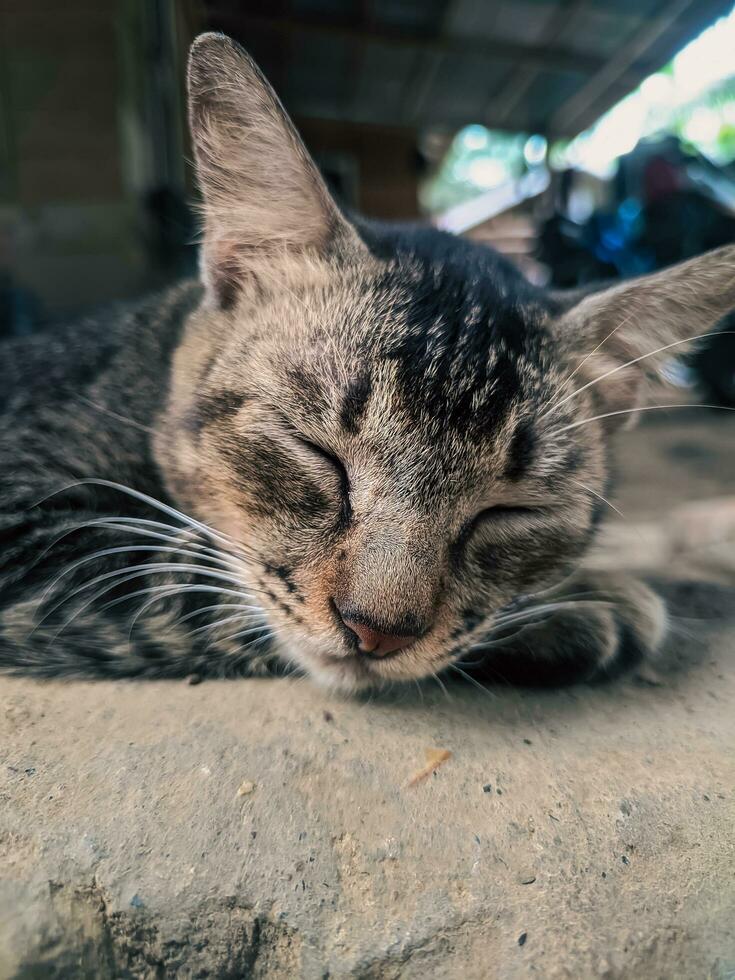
[[244, 620], [236, 549], [170, 590], [571, 599], [151, 568], [491, 645], [529, 615], [630, 363], [213, 608], [143, 527], [599, 497], [172, 532], [144, 607], [442, 685], [132, 572], [263, 639], [643, 408], [104, 522], [208, 627], [472, 680], [114, 415], [121, 550], [581, 364], [162, 590], [249, 632], [225, 563], [144, 498]]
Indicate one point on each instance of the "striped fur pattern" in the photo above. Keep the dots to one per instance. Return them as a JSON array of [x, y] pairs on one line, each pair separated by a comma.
[[342, 416]]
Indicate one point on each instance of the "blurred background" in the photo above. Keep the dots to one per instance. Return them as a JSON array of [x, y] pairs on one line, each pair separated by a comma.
[[586, 139]]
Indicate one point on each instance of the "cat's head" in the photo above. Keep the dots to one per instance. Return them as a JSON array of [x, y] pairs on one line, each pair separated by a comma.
[[402, 433]]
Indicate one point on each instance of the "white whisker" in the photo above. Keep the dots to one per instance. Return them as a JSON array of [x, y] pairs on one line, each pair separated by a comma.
[[114, 415], [628, 411], [249, 632], [581, 364], [528, 615], [104, 522], [151, 501], [171, 589], [143, 527], [162, 590], [213, 608], [599, 497], [107, 552], [240, 617], [442, 685], [630, 363], [152, 568], [472, 680], [258, 640], [128, 574]]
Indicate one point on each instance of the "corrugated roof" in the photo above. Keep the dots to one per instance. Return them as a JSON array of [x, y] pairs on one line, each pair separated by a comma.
[[549, 66]]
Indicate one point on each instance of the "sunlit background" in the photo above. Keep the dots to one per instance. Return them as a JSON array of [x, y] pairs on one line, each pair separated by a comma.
[[692, 98]]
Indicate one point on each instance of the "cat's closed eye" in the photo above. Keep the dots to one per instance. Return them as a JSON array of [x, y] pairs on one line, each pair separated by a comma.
[[325, 456], [336, 465], [505, 515]]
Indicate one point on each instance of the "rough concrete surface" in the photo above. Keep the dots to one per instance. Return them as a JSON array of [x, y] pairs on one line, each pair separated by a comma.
[[577, 833]]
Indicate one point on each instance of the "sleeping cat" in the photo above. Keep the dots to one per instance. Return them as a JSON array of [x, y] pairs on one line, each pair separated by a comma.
[[367, 452]]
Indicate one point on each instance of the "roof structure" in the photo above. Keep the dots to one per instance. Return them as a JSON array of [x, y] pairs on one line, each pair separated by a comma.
[[546, 66]]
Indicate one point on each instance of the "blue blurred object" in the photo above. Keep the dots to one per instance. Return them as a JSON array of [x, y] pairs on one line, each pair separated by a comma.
[[668, 205]]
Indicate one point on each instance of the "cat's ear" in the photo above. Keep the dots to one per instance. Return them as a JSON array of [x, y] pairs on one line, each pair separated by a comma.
[[623, 333], [263, 197]]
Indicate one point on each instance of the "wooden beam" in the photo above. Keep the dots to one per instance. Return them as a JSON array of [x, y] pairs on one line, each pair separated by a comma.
[[422, 79], [505, 103], [240, 23], [703, 14], [569, 118]]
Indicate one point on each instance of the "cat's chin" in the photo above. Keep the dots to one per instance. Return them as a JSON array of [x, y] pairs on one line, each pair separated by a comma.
[[345, 675]]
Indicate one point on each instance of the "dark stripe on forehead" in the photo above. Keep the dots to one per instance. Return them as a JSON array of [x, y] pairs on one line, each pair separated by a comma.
[[310, 392], [355, 402], [521, 451], [215, 408], [466, 348]]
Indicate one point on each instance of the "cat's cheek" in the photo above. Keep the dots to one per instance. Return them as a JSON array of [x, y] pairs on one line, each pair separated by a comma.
[[503, 569]]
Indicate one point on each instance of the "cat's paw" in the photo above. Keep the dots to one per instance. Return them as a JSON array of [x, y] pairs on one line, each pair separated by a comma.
[[603, 624]]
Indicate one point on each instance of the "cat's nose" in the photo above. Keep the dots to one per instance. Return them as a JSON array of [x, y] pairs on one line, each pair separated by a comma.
[[375, 643]]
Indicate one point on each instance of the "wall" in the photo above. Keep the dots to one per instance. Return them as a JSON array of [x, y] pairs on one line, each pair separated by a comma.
[[384, 159], [93, 184]]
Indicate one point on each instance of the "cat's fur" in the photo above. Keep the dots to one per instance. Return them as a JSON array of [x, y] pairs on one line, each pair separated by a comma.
[[386, 421]]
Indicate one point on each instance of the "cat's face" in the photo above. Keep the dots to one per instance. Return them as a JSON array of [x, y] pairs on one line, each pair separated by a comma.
[[374, 436], [394, 427]]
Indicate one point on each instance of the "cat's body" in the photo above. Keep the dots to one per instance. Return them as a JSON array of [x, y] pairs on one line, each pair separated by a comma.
[[78, 404], [356, 448]]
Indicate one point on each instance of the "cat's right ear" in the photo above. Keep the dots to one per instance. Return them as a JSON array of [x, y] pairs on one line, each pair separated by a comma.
[[263, 198], [615, 337]]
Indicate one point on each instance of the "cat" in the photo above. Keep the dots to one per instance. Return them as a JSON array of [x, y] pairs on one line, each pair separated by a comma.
[[366, 452]]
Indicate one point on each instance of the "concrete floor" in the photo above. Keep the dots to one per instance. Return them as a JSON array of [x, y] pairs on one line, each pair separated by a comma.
[[579, 833]]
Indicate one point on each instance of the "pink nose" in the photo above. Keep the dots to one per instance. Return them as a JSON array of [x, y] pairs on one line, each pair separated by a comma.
[[377, 644]]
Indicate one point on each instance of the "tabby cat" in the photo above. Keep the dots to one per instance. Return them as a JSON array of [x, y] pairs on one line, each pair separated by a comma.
[[364, 451]]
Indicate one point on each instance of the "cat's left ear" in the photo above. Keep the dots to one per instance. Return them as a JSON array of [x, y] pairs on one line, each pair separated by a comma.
[[264, 200], [625, 331]]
